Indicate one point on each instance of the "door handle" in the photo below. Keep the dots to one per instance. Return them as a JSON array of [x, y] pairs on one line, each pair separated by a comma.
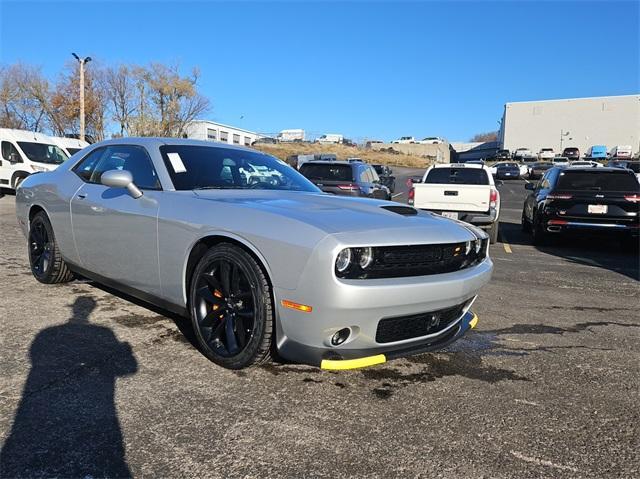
[[82, 196]]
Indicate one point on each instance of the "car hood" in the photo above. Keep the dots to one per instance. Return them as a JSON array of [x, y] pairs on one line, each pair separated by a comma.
[[345, 217]]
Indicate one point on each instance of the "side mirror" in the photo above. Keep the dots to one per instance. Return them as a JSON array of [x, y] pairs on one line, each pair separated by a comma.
[[529, 186], [120, 179], [14, 158]]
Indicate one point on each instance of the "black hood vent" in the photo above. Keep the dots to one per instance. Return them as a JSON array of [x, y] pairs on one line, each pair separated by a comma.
[[401, 210]]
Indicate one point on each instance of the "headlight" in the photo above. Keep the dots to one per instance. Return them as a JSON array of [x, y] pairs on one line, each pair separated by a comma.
[[343, 261], [38, 168], [366, 257]]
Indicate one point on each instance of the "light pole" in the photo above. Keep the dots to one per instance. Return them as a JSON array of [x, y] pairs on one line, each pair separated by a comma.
[[82, 62], [562, 135]]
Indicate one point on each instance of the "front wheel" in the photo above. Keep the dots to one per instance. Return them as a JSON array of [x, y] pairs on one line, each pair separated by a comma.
[[231, 308], [47, 265], [493, 233]]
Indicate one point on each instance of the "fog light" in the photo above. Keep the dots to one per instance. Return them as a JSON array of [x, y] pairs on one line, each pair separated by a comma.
[[340, 336], [343, 260], [477, 246], [366, 257]]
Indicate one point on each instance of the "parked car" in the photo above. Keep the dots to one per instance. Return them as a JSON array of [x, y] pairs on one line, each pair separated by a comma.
[[71, 146], [331, 138], [503, 155], [386, 177], [630, 165], [572, 153], [23, 153], [507, 171], [346, 179], [404, 140], [522, 153], [260, 268], [265, 140], [621, 151], [585, 164], [597, 200], [596, 152], [560, 161], [460, 191], [431, 140], [538, 169], [546, 154]]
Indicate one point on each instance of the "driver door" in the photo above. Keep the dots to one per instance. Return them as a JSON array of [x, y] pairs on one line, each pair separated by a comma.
[[116, 234]]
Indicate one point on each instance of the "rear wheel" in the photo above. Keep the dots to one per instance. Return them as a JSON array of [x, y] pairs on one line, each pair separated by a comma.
[[540, 237], [493, 232], [231, 308], [47, 265], [526, 226]]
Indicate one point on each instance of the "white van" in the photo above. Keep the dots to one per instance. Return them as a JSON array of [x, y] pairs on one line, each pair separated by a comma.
[[331, 138], [621, 151], [71, 146], [25, 152]]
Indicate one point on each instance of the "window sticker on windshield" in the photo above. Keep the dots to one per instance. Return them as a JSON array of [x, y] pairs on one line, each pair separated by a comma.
[[176, 162]]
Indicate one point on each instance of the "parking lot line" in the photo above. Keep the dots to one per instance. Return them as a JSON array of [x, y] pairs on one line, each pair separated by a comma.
[[396, 195], [507, 247]]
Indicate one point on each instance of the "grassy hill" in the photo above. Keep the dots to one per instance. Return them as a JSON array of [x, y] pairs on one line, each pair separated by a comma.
[[283, 150]]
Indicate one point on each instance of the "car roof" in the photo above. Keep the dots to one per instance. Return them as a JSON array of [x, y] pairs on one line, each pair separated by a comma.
[[604, 169], [156, 142], [25, 135]]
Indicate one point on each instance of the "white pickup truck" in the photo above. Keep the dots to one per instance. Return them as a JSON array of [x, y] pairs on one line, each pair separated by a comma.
[[461, 191]]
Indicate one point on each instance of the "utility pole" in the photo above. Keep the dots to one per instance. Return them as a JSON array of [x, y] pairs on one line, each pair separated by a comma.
[[82, 62]]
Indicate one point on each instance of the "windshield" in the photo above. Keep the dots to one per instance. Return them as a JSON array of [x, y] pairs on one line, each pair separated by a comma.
[[43, 153], [598, 181], [205, 167], [463, 176], [326, 172]]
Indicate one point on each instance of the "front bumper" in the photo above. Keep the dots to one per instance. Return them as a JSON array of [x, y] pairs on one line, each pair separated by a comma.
[[360, 305]]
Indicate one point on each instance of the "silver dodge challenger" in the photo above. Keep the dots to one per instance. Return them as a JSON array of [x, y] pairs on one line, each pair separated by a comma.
[[262, 262]]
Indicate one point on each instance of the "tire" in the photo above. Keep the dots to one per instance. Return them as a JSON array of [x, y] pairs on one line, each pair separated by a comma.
[[526, 226], [231, 308], [493, 232], [46, 262], [540, 237], [17, 182]]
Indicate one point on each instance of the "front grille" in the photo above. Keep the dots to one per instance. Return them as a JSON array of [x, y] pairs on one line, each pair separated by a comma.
[[416, 325], [417, 260]]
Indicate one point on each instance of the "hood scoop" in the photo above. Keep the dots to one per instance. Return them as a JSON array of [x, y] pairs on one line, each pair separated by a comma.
[[401, 210]]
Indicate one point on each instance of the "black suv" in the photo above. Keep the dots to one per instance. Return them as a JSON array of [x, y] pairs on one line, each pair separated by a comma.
[[596, 200], [571, 153], [347, 179]]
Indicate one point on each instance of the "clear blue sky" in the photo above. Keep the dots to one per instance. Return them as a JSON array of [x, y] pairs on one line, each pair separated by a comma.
[[377, 70]]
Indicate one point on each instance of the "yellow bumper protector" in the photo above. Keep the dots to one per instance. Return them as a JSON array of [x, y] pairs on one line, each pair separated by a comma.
[[343, 364], [473, 321]]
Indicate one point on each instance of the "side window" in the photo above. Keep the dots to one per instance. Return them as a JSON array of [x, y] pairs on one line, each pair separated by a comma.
[[84, 169], [374, 175], [131, 158], [10, 153], [364, 175]]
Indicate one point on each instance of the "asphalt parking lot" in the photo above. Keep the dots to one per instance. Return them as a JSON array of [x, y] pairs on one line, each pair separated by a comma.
[[548, 385]]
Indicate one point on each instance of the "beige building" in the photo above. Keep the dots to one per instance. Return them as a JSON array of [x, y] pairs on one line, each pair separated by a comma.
[[581, 122], [212, 131]]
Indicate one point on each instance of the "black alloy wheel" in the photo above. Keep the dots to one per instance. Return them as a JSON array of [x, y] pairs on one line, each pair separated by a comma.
[[47, 265], [39, 249], [231, 307]]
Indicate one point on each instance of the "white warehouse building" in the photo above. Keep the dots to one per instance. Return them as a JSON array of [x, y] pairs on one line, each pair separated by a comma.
[[579, 122], [212, 131]]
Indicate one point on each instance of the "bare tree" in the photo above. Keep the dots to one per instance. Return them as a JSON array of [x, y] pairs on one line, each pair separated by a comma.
[[120, 90], [24, 97], [485, 137]]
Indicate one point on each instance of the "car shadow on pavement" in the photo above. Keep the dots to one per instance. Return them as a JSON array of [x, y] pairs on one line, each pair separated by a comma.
[[66, 424], [606, 253]]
